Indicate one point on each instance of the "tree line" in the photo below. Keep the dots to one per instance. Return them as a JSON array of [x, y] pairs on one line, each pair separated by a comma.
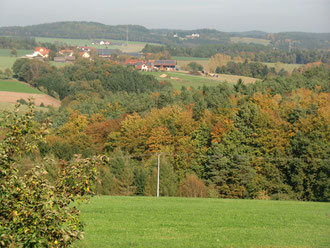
[[17, 43], [253, 69], [253, 52], [98, 77]]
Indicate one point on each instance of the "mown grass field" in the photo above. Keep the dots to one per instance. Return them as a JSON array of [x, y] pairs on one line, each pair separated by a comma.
[[184, 62], [195, 222], [15, 86], [287, 67], [133, 46], [250, 40], [179, 79], [190, 58], [6, 52], [7, 106], [7, 60]]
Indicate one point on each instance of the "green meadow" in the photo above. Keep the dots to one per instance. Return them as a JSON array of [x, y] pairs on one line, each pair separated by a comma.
[[7, 106], [7, 60], [287, 67], [250, 40], [197, 222], [15, 86], [133, 46], [179, 79], [190, 58]]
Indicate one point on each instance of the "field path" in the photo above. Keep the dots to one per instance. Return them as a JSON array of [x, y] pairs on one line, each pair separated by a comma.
[[12, 97]]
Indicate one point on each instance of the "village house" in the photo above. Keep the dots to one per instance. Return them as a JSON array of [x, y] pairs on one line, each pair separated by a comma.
[[132, 61], [66, 52], [105, 53], [40, 52], [193, 36], [84, 54], [144, 66]]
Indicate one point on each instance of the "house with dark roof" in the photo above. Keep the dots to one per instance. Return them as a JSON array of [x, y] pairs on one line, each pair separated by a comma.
[[164, 64], [106, 52], [136, 55]]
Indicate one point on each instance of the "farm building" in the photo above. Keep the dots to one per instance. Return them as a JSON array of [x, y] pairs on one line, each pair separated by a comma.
[[132, 61], [66, 59], [136, 55], [106, 53], [164, 64]]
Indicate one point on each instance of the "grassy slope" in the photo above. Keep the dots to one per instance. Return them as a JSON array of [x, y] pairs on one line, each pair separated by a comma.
[[133, 46], [250, 40], [184, 62], [15, 86], [287, 67], [6, 106], [192, 222], [184, 79], [7, 61], [190, 58], [196, 81]]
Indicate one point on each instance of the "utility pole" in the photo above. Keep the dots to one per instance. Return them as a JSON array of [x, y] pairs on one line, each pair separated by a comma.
[[127, 35], [158, 175]]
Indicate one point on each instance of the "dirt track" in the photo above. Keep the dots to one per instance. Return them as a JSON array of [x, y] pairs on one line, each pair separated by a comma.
[[12, 97]]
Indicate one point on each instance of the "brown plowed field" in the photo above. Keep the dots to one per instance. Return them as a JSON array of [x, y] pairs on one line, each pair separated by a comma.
[[6, 96]]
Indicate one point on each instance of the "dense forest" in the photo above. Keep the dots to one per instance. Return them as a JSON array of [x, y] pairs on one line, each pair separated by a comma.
[[268, 140]]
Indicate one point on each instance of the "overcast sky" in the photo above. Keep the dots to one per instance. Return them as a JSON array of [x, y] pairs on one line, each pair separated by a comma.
[[223, 15]]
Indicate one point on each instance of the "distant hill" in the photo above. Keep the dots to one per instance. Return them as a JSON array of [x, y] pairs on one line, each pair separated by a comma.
[[90, 30], [80, 30]]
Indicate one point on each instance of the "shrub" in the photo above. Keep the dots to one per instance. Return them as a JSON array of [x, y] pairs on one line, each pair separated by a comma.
[[34, 213], [22, 101], [192, 186]]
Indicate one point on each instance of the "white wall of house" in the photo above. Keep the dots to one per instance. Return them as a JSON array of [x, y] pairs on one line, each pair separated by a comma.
[[86, 55], [36, 54]]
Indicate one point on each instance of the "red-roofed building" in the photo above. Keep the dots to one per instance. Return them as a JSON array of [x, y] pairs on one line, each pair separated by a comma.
[[132, 61], [144, 66], [84, 54], [42, 50], [66, 51], [39, 52]]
